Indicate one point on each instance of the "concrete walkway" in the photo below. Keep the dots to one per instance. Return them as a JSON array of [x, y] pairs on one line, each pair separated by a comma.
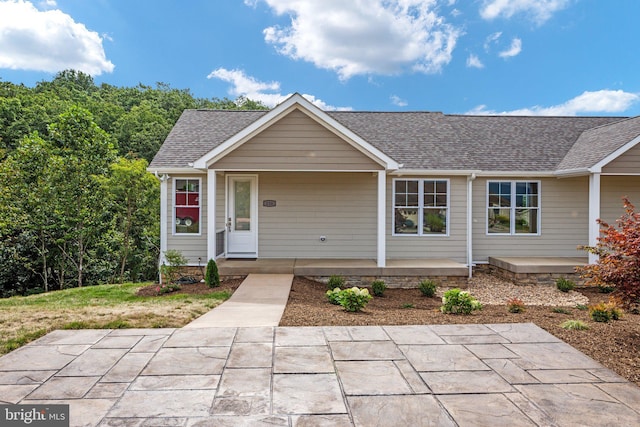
[[445, 375], [259, 301]]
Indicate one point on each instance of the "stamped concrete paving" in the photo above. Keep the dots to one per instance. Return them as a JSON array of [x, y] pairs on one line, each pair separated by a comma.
[[464, 375]]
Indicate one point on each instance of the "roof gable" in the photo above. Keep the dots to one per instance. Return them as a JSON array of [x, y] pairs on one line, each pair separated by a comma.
[[295, 102]]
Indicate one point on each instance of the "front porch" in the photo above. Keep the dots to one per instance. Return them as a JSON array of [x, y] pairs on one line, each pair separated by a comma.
[[397, 272]]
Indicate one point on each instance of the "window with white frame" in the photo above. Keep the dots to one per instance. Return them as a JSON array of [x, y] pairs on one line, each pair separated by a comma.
[[513, 207], [420, 207], [187, 206]]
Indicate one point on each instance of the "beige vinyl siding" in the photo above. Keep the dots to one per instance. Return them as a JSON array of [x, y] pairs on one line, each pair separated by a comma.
[[296, 142], [629, 162], [191, 246], [564, 221], [340, 206], [434, 247], [613, 189]]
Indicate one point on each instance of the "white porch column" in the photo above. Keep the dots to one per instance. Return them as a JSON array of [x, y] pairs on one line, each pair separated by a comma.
[[382, 218], [470, 180], [211, 214], [594, 212], [164, 219]]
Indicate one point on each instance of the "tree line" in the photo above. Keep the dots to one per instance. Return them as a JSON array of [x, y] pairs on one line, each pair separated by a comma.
[[77, 206]]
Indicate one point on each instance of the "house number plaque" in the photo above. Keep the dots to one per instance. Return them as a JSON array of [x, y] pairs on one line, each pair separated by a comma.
[[269, 203]]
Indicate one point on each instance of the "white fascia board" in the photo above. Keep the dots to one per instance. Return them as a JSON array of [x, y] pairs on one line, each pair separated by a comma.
[[617, 153], [173, 171], [296, 101], [568, 173], [430, 172], [517, 174]]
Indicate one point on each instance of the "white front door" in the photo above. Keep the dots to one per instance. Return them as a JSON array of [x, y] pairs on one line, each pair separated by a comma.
[[242, 216]]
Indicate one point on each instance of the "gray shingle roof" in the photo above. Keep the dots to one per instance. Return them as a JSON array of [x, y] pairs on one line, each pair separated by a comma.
[[595, 144], [422, 140]]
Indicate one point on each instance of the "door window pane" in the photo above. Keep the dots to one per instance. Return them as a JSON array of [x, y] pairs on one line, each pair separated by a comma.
[[242, 205]]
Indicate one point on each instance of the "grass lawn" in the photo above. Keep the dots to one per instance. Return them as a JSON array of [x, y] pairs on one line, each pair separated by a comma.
[[24, 319]]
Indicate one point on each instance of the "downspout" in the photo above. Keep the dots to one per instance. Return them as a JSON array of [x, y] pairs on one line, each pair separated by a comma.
[[470, 180]]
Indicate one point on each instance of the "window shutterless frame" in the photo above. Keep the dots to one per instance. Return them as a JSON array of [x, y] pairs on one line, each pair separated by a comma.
[[512, 207], [187, 206], [421, 207]]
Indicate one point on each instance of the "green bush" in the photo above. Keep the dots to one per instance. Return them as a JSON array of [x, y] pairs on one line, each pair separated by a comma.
[[428, 288], [604, 312], [576, 325], [456, 301], [378, 287], [211, 276], [565, 285], [335, 282], [333, 295], [560, 310], [354, 299], [171, 267]]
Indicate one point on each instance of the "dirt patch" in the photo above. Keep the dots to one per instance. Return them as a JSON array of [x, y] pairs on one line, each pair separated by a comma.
[[616, 344]]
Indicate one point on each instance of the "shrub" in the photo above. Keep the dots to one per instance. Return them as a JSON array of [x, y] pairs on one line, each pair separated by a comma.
[[166, 288], [576, 325], [211, 276], [456, 301], [565, 285], [560, 310], [604, 312], [408, 305], [333, 295], [335, 282], [428, 288], [604, 289], [354, 299], [515, 305], [378, 287], [171, 267], [581, 307], [618, 250]]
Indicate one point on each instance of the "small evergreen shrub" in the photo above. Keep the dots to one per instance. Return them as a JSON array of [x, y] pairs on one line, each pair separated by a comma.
[[560, 310], [565, 285], [604, 312], [455, 301], [575, 325], [354, 299], [428, 288], [378, 287], [335, 282], [515, 305], [211, 276], [606, 289], [333, 295]]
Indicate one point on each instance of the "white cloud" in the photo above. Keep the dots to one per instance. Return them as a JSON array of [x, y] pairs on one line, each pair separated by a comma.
[[396, 100], [47, 40], [474, 62], [538, 10], [255, 90], [360, 37], [492, 39], [514, 49], [601, 101]]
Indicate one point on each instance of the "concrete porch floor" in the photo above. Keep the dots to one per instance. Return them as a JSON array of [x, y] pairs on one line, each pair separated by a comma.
[[344, 267], [539, 265]]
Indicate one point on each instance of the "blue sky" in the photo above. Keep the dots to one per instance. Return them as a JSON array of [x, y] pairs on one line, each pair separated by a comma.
[[554, 57]]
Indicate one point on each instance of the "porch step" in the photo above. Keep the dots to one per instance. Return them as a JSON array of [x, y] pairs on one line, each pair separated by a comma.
[[539, 265]]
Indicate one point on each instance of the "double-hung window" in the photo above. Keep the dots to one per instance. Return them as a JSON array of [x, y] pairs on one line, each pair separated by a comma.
[[513, 207], [187, 206], [420, 207]]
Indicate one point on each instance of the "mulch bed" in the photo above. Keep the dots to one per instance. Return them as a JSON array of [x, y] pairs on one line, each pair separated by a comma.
[[193, 288]]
